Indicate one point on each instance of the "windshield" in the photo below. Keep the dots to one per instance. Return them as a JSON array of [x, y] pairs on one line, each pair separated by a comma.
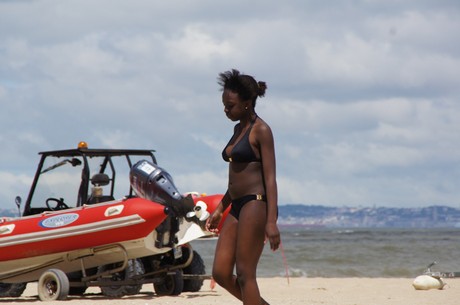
[[60, 178], [64, 178]]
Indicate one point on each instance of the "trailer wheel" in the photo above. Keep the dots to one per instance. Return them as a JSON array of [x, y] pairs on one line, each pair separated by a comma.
[[171, 284], [134, 268], [53, 285], [12, 290], [76, 277], [196, 267]]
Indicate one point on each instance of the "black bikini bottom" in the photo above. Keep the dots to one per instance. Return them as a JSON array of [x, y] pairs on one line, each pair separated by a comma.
[[237, 204]]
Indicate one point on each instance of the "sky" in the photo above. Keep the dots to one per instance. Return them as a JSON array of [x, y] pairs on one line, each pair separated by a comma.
[[362, 98]]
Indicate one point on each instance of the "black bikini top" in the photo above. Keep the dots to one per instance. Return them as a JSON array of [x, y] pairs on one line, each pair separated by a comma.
[[241, 151]]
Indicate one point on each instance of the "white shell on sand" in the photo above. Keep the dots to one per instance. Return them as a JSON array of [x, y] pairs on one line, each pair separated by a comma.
[[425, 282]]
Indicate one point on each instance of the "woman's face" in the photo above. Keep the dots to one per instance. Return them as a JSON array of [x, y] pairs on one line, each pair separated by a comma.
[[234, 108]]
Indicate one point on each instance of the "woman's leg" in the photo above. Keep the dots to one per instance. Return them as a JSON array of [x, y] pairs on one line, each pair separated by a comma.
[[224, 259], [250, 243]]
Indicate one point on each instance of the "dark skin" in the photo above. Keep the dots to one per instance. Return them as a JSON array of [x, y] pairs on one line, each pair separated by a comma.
[[241, 241]]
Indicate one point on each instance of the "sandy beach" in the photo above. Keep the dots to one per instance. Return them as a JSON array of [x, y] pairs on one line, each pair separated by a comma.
[[325, 291]]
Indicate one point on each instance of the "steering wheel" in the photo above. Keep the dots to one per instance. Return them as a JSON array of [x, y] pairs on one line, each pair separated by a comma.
[[60, 205]]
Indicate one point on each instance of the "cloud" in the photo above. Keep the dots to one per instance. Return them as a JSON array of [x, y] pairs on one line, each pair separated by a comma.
[[195, 46], [12, 186], [362, 97]]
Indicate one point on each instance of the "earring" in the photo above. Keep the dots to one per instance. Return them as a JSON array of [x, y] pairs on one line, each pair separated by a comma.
[[246, 108]]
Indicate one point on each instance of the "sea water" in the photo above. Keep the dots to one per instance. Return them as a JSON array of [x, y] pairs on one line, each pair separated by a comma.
[[308, 252]]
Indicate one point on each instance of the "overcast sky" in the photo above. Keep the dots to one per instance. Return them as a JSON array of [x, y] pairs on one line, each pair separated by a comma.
[[363, 96]]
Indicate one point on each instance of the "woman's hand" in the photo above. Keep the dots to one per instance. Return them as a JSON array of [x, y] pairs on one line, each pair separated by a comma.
[[213, 221], [273, 235]]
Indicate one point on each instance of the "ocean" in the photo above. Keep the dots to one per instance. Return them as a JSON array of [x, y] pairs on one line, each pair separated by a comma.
[[309, 252]]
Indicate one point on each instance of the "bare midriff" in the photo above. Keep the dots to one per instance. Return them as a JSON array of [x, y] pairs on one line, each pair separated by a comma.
[[245, 179]]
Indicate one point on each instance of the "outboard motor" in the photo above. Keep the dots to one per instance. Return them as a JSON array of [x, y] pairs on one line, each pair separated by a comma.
[[149, 181]]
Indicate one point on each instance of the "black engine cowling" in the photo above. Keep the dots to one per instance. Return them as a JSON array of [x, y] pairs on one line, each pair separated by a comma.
[[151, 182]]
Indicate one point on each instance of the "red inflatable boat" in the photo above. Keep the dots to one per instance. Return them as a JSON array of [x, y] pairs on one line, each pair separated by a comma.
[[31, 244], [67, 245]]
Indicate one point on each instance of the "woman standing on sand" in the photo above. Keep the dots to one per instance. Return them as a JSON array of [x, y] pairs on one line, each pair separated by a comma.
[[252, 191]]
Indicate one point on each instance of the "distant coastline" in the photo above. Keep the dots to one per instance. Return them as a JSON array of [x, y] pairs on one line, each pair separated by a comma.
[[369, 217], [318, 216]]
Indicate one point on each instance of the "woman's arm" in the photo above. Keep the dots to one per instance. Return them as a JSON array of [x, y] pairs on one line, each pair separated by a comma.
[[224, 202], [267, 151], [213, 221]]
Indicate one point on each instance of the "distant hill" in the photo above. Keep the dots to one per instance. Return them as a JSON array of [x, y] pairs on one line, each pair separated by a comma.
[[351, 217], [8, 213], [381, 217]]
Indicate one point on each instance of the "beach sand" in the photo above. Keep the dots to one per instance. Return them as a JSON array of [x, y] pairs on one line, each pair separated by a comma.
[[325, 291]]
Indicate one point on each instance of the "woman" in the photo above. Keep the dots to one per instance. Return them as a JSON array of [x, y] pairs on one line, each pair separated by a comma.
[[252, 191]]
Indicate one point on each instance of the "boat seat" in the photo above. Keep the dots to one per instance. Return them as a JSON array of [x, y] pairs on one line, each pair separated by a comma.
[[99, 180]]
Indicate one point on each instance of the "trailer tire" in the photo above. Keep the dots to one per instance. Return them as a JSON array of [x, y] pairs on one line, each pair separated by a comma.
[[53, 285], [171, 284], [196, 267], [76, 277], [134, 268], [12, 290]]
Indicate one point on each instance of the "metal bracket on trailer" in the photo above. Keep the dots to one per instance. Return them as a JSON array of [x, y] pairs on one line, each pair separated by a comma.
[[123, 266]]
